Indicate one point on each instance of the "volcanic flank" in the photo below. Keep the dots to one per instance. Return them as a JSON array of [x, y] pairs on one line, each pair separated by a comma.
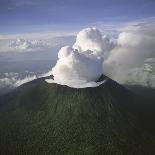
[[98, 116], [42, 118]]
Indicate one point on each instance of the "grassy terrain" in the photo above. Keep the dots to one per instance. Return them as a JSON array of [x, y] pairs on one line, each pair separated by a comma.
[[41, 118]]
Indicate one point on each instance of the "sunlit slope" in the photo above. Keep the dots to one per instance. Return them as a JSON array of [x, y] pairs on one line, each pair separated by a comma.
[[42, 118]]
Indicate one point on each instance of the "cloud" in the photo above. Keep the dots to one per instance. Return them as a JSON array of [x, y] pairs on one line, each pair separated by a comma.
[[19, 82], [19, 3], [81, 65], [132, 48], [12, 80], [8, 80], [143, 75], [33, 42], [126, 54], [92, 39], [27, 45], [37, 35]]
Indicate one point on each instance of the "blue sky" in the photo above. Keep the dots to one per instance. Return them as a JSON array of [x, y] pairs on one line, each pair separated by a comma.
[[69, 15]]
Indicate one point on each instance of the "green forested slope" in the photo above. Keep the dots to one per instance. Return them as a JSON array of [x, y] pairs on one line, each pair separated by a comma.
[[41, 118]]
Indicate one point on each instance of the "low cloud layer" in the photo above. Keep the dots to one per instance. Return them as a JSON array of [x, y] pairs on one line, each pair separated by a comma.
[[141, 76], [81, 65], [22, 43], [12, 80], [26, 45]]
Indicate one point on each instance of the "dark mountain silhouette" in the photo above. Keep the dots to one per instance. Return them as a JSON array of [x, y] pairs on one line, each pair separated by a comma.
[[144, 91], [42, 118]]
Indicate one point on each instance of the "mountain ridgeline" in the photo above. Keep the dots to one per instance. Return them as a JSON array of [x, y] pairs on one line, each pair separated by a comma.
[[42, 118]]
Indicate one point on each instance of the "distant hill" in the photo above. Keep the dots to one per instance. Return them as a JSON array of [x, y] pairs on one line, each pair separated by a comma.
[[42, 118]]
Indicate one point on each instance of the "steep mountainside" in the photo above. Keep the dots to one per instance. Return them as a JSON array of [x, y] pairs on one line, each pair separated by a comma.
[[42, 118]]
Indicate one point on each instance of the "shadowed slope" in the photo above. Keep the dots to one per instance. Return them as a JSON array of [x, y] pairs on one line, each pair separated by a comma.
[[42, 118]]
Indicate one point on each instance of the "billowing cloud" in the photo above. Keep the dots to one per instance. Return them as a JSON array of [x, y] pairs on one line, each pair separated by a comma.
[[92, 39], [127, 57], [132, 49], [124, 56], [81, 65]]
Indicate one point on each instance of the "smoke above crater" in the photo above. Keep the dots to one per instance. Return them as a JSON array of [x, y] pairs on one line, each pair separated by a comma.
[[121, 58], [81, 65]]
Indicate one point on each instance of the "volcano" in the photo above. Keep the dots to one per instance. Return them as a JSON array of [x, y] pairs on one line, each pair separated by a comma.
[[42, 118]]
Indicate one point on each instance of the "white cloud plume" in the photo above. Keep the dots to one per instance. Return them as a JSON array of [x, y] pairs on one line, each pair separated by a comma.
[[133, 47], [128, 57], [81, 65], [124, 56], [92, 39], [25, 80]]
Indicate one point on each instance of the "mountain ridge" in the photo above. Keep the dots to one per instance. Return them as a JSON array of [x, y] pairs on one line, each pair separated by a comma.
[[55, 119]]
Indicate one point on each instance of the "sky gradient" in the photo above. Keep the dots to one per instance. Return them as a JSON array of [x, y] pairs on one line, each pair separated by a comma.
[[66, 15]]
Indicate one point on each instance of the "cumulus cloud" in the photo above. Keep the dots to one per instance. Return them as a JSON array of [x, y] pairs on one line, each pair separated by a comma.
[[81, 65], [127, 58], [92, 39], [131, 50], [124, 56]]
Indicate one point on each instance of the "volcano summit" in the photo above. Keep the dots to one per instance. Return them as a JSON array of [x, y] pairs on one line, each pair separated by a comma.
[[77, 110], [80, 66], [43, 118]]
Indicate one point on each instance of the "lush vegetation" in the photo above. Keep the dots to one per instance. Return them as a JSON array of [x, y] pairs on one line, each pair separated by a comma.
[[53, 119]]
